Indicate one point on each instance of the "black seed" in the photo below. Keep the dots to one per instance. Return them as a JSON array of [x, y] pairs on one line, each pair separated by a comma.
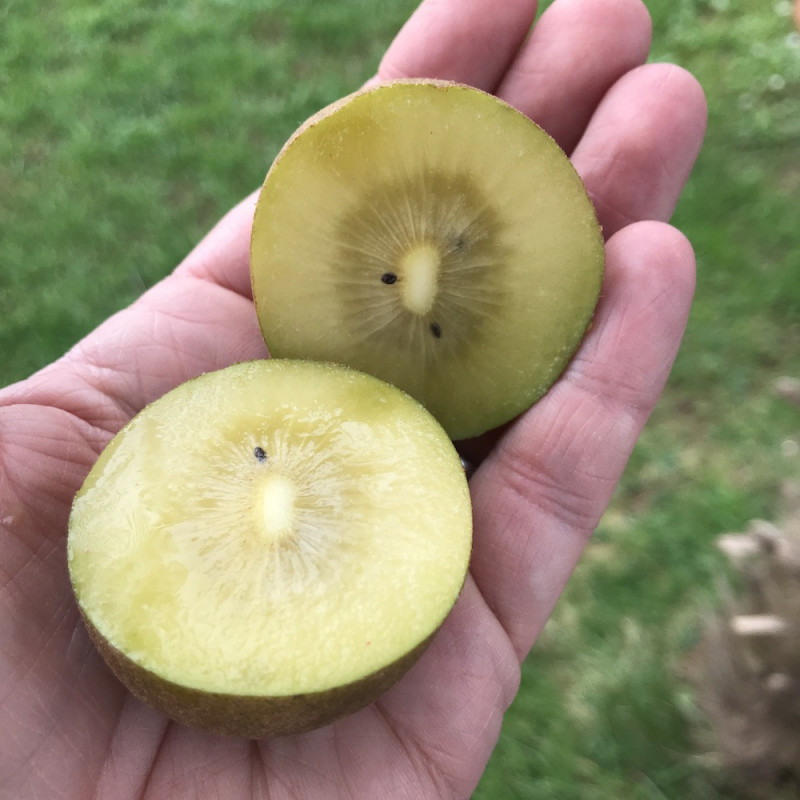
[[436, 330], [460, 242], [389, 278], [261, 454]]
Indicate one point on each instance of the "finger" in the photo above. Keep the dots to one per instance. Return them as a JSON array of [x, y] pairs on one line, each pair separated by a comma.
[[177, 330], [449, 708], [539, 496], [576, 52], [471, 41], [641, 144], [223, 255]]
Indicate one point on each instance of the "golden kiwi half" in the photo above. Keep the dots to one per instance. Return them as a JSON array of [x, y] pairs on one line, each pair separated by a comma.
[[429, 234], [269, 547]]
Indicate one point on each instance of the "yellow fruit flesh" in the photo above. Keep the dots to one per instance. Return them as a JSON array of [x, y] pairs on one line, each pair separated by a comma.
[[286, 529], [488, 229]]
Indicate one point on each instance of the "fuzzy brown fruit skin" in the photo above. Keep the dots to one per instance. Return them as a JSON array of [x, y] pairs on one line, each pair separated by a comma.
[[250, 716], [471, 373]]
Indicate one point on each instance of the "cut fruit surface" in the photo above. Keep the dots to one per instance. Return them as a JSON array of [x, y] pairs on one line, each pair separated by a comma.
[[432, 235], [269, 546]]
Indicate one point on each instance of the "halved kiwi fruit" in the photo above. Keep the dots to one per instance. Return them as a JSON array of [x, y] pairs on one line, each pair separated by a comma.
[[430, 234], [270, 546]]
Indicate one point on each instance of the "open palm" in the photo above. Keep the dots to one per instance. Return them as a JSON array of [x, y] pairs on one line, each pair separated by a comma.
[[69, 729]]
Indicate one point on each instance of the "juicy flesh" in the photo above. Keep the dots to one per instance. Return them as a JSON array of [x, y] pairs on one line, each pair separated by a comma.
[[486, 230], [331, 556]]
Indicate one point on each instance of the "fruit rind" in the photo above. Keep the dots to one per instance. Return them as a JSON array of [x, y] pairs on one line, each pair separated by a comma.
[[251, 716]]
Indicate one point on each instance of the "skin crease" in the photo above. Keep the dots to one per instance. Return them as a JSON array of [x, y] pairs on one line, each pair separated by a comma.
[[68, 728]]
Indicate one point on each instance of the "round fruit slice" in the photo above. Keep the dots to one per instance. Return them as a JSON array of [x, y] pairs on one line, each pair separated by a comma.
[[432, 235], [269, 547]]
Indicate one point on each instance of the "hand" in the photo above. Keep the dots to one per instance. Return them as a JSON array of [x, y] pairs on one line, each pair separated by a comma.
[[68, 727]]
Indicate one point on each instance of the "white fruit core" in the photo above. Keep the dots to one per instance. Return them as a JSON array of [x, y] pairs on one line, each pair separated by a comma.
[[420, 278], [278, 497]]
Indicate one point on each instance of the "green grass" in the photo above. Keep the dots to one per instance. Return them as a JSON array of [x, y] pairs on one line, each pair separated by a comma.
[[129, 128]]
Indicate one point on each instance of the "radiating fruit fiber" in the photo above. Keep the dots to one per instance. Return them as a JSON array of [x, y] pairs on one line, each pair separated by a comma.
[[432, 235]]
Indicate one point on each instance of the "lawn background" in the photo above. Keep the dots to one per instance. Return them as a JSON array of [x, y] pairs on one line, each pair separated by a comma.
[[127, 128]]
